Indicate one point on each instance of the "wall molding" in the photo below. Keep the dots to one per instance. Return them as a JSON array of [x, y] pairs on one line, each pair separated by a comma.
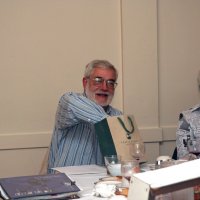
[[24, 140], [159, 134], [169, 133], [42, 139], [151, 134]]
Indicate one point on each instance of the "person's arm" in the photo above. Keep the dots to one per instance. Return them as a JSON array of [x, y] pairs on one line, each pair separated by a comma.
[[182, 132], [74, 108]]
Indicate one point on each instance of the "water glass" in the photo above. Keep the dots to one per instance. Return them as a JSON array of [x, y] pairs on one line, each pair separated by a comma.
[[128, 167], [113, 164]]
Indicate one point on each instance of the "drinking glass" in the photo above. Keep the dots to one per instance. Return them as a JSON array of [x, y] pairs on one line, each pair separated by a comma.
[[128, 167], [113, 164], [137, 149]]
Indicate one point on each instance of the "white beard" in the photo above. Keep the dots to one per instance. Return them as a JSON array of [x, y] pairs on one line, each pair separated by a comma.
[[91, 96]]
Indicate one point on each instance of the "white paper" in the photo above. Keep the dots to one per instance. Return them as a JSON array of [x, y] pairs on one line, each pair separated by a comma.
[[85, 176], [82, 169], [86, 181]]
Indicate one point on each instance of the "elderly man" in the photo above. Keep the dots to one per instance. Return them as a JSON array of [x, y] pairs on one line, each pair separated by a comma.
[[74, 141]]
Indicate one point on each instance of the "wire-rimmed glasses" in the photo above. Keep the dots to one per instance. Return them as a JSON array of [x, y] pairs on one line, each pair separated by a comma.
[[110, 83]]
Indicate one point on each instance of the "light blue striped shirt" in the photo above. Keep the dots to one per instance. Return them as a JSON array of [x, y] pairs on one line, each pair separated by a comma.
[[74, 141]]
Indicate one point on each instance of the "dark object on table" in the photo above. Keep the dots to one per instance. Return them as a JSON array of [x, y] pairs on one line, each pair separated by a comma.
[[174, 155], [49, 186]]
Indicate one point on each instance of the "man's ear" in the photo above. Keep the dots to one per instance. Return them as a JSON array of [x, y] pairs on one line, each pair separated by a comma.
[[84, 81]]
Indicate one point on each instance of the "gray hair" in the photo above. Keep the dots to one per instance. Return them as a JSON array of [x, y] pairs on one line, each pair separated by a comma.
[[101, 64]]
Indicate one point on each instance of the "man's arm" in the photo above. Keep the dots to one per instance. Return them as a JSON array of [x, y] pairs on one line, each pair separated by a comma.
[[182, 132], [74, 108]]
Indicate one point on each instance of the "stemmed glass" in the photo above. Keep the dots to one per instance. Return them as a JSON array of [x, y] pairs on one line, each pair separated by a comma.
[[137, 150]]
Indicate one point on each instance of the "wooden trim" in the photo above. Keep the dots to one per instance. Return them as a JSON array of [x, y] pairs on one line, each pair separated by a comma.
[[151, 134], [24, 140], [169, 133], [42, 139]]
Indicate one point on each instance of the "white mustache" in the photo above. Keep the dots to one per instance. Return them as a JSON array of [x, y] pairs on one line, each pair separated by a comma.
[[103, 93]]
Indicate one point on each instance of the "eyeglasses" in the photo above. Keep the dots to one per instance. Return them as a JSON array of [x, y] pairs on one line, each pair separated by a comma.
[[98, 81]]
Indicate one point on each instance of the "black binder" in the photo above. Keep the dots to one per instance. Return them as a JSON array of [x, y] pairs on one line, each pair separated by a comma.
[[49, 186]]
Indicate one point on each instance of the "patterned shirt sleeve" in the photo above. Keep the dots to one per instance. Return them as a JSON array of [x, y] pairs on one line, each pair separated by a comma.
[[74, 108], [182, 132]]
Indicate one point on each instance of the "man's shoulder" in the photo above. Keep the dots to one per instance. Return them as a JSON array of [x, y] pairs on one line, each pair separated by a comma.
[[194, 110], [68, 95]]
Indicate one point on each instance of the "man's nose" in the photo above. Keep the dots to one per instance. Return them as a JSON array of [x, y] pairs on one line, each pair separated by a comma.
[[104, 85]]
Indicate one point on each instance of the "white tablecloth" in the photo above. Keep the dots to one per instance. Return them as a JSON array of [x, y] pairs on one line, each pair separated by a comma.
[[85, 177]]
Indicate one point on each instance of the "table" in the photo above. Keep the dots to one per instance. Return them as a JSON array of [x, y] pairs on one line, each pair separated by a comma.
[[85, 177]]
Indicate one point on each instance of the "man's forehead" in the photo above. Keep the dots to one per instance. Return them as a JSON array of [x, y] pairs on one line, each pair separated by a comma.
[[99, 70]]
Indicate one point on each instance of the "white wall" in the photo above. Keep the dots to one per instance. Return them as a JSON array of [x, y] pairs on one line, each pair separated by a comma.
[[140, 69], [46, 44], [178, 60]]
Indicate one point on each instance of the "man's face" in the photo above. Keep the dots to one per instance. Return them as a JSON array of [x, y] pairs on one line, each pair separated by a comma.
[[100, 86]]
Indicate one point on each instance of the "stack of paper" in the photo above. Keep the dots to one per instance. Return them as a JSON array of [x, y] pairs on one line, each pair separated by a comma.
[[85, 176]]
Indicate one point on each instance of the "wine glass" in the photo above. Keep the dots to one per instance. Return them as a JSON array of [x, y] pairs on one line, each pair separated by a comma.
[[137, 150]]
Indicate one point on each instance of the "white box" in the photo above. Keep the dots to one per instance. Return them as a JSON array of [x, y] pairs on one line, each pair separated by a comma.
[[179, 178]]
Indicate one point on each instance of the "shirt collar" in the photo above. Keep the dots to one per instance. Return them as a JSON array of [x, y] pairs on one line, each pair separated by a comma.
[[108, 109]]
